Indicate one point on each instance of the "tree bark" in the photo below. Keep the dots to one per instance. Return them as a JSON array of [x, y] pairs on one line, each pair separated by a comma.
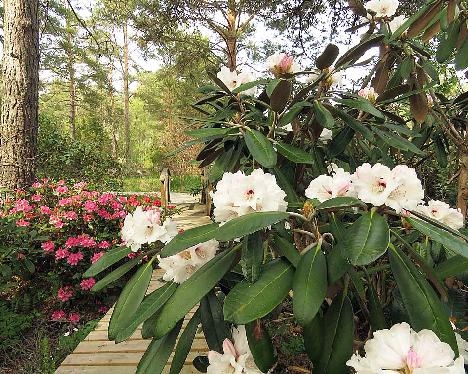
[[111, 115], [126, 95], [231, 37], [71, 80], [462, 197], [20, 80]]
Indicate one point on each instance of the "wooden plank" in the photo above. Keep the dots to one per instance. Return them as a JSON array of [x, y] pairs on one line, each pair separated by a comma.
[[188, 369]]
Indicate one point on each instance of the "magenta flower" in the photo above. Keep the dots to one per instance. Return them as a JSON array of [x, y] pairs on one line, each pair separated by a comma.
[[90, 206], [104, 244], [22, 223], [97, 256], [61, 253], [74, 258], [70, 215], [45, 210], [87, 284], [23, 205], [61, 189], [37, 185], [65, 293], [74, 317], [58, 315], [36, 197]]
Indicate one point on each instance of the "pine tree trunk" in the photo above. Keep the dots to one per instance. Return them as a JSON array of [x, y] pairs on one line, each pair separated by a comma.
[[462, 197], [231, 37], [71, 83], [112, 121], [20, 80], [126, 95]]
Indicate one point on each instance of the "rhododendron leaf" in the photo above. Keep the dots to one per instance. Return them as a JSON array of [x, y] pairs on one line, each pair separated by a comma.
[[368, 238], [247, 301], [363, 105], [294, 154], [293, 112], [214, 327], [287, 249], [447, 44], [358, 51], [376, 315], [129, 300], [280, 95], [337, 264], [185, 343], [313, 339], [323, 115], [328, 56], [190, 238], [461, 58], [219, 83], [284, 181], [247, 86], [341, 141], [147, 329], [340, 202], [352, 122], [208, 132], [189, 293], [424, 308], [310, 285], [248, 224], [454, 266], [116, 274], [419, 20], [260, 345], [107, 260], [260, 148], [148, 307], [338, 335], [450, 241], [252, 256], [157, 354], [397, 141]]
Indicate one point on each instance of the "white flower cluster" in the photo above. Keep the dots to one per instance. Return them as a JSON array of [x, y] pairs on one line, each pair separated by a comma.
[[382, 8], [236, 358], [368, 93], [281, 64], [402, 350], [238, 194], [398, 188], [181, 266], [145, 227], [442, 212], [232, 79]]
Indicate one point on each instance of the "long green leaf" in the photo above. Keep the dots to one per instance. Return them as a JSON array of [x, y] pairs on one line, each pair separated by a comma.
[[185, 343], [215, 328], [157, 354], [338, 337], [129, 300], [310, 285], [451, 242], [368, 238], [252, 256], [424, 308], [107, 260], [353, 123], [363, 105], [454, 266], [260, 148], [340, 202], [190, 238], [261, 346], [242, 302], [148, 307], [116, 274], [287, 249], [294, 154], [189, 293], [323, 115], [248, 224]]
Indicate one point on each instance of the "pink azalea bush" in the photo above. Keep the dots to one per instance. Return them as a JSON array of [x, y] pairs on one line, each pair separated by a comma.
[[53, 233]]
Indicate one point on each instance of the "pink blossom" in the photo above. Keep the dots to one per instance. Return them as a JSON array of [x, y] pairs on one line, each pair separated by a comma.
[[70, 215], [116, 205], [57, 222], [97, 256], [45, 209], [74, 317], [74, 258], [104, 244], [104, 214], [132, 255], [36, 197], [65, 202], [90, 206], [80, 185], [58, 315], [87, 217], [72, 242], [37, 185], [87, 284], [65, 293], [23, 205], [61, 189], [22, 223], [48, 246], [61, 253]]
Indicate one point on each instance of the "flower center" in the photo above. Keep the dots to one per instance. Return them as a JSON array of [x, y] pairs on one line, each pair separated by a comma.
[[381, 185], [249, 194]]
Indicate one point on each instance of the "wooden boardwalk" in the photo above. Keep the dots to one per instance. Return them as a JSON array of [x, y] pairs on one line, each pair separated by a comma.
[[97, 355]]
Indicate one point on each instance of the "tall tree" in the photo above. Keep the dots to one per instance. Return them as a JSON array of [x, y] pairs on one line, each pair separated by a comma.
[[126, 91], [20, 81]]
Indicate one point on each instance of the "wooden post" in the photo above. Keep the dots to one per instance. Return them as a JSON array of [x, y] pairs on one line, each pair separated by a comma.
[[205, 193], [165, 179]]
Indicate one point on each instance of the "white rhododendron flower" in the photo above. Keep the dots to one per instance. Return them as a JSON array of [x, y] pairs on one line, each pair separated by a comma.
[[403, 350], [368, 93], [281, 63], [396, 23], [326, 135], [337, 79], [236, 358], [409, 191], [382, 8], [442, 212], [374, 184], [145, 227], [180, 267], [462, 346], [232, 79], [325, 187], [238, 194]]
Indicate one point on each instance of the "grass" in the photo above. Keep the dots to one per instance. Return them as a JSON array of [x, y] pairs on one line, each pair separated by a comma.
[[179, 183]]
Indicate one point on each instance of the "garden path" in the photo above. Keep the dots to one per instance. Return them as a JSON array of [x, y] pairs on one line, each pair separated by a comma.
[[95, 354]]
